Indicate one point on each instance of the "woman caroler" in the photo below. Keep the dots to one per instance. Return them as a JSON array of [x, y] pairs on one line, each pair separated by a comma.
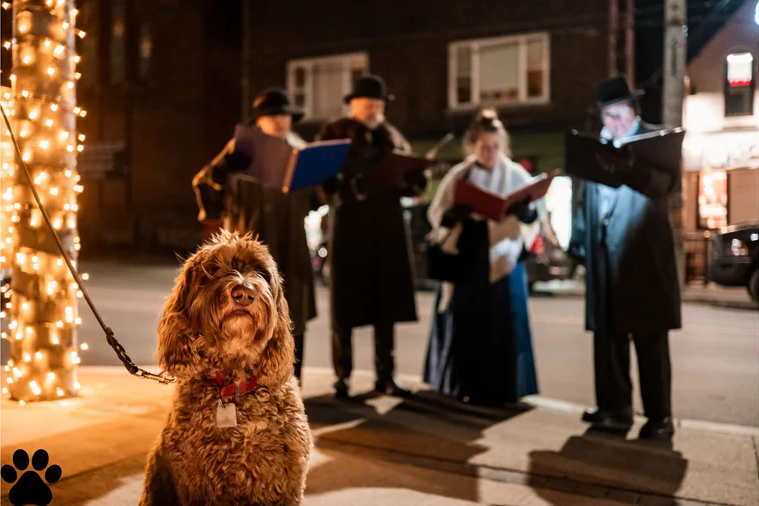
[[480, 347]]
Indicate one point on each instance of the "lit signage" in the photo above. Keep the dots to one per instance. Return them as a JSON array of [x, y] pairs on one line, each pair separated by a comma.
[[740, 67]]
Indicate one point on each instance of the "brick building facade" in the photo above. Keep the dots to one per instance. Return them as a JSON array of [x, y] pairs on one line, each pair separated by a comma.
[[537, 62], [160, 82]]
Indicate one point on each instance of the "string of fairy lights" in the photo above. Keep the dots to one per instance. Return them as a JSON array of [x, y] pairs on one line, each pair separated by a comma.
[[41, 301]]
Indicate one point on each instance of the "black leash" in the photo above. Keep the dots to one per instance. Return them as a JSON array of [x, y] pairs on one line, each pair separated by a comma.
[[109, 336]]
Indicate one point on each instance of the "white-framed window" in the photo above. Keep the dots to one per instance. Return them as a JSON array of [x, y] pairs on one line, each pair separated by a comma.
[[739, 84], [499, 71], [318, 85]]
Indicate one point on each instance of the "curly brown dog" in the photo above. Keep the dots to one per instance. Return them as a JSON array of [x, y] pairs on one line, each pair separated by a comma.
[[237, 433]]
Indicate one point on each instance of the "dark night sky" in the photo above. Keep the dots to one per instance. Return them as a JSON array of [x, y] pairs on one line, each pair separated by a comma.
[[705, 17]]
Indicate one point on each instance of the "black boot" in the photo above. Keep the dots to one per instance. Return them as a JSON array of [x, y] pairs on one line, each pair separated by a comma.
[[658, 430], [391, 386], [621, 419], [341, 388]]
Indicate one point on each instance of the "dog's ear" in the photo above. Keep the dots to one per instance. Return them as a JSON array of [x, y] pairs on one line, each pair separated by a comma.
[[176, 353], [277, 359]]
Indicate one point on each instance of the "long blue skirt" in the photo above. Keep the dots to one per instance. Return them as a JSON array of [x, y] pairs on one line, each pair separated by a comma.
[[481, 345]]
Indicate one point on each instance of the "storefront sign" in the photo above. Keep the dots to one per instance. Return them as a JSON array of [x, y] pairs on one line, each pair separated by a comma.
[[724, 150]]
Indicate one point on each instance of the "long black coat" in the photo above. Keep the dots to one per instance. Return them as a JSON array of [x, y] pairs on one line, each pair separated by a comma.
[[629, 256], [371, 261], [278, 220]]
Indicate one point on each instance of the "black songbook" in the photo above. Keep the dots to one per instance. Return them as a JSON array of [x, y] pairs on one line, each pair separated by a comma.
[[392, 170], [585, 154]]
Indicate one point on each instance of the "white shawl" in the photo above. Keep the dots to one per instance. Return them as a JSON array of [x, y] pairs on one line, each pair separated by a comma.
[[505, 238]]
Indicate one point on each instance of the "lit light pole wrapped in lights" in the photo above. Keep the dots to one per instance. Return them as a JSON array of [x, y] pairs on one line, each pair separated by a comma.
[[6, 200], [43, 304]]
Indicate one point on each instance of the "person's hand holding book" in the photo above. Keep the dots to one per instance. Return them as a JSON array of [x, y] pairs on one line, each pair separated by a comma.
[[617, 161], [236, 161], [417, 181], [523, 211], [455, 215], [331, 185]]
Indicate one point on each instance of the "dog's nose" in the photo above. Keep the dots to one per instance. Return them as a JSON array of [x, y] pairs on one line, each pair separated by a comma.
[[243, 296]]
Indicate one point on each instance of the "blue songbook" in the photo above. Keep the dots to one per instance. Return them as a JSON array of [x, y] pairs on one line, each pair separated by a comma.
[[274, 162], [317, 162]]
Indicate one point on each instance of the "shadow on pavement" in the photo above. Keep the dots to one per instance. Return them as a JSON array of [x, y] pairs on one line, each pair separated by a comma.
[[594, 462], [428, 431]]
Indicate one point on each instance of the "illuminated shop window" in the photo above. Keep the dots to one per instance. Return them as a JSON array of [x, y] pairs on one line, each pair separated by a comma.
[[740, 84]]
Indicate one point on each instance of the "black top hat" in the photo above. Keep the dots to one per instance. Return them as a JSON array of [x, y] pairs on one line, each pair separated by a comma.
[[274, 101], [615, 90], [370, 86]]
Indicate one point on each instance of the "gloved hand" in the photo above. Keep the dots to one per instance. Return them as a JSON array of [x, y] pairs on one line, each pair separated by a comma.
[[236, 161], [416, 181], [331, 185], [523, 211], [456, 214], [617, 161], [211, 203], [358, 186]]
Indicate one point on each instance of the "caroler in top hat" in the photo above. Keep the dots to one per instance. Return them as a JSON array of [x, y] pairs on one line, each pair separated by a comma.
[[371, 275], [624, 237], [239, 204]]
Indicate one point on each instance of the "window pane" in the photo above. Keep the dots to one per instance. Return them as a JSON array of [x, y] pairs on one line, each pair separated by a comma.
[[300, 77], [712, 199], [499, 73], [463, 90], [739, 85], [535, 83], [328, 90], [118, 41], [464, 61], [146, 51], [740, 69], [299, 99], [464, 75], [535, 53]]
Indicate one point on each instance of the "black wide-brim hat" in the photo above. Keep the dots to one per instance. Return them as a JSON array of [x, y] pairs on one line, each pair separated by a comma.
[[615, 90], [274, 101], [370, 86]]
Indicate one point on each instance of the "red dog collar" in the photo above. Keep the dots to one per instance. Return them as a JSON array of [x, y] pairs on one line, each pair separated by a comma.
[[235, 389]]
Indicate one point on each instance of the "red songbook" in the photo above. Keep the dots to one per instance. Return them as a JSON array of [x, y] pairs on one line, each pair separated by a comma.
[[494, 206]]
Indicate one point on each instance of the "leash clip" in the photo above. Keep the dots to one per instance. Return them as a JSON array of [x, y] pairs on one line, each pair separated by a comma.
[[160, 378]]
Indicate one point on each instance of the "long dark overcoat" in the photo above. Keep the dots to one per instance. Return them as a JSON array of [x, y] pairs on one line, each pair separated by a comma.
[[277, 219], [372, 276], [629, 254]]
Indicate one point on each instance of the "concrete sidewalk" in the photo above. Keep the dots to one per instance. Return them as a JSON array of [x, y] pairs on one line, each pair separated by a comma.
[[716, 295], [378, 450]]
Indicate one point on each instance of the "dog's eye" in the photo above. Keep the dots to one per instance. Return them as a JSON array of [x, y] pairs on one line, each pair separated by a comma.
[[211, 270], [264, 274], [240, 265]]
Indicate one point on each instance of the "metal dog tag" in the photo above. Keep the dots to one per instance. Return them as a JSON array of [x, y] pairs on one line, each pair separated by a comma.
[[226, 415]]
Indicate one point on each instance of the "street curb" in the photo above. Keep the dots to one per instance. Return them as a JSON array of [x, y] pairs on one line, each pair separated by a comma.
[[555, 405], [691, 299]]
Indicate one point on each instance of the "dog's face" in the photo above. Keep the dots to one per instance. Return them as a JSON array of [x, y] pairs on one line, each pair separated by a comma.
[[228, 315]]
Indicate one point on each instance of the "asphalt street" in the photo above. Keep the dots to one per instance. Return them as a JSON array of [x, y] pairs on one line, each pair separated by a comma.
[[715, 357]]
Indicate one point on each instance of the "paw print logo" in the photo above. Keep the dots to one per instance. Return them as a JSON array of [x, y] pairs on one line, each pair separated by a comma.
[[30, 488]]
